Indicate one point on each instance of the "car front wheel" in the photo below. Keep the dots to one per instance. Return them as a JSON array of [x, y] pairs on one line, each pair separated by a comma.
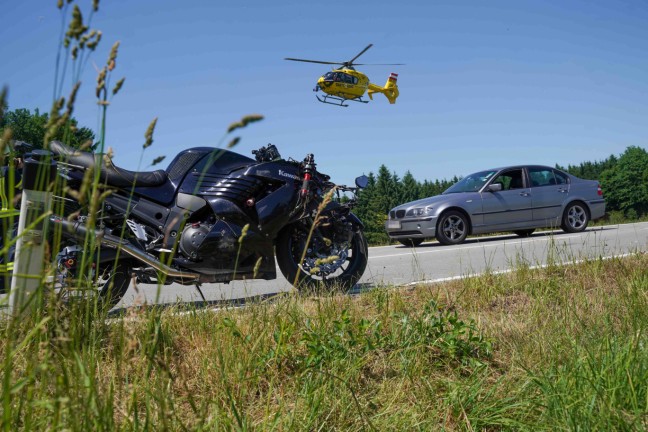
[[575, 218], [452, 228]]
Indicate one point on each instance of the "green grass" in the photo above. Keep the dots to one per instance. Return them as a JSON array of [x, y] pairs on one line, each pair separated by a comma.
[[561, 348]]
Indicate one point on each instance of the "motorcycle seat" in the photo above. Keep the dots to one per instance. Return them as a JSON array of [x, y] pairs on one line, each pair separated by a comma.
[[109, 173]]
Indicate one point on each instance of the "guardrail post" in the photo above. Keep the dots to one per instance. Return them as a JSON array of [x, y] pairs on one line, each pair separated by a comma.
[[39, 171]]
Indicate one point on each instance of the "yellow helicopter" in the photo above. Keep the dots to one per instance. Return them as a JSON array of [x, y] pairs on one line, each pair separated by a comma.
[[347, 84]]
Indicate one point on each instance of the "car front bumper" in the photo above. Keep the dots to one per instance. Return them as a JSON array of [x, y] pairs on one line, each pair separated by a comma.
[[411, 228]]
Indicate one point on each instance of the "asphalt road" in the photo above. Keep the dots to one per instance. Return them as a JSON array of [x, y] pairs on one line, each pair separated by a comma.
[[399, 265]]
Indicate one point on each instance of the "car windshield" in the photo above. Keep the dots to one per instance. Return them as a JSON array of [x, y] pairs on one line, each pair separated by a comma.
[[471, 183]]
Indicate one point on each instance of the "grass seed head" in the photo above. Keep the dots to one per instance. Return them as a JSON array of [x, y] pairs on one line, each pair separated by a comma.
[[149, 133], [3, 102], [252, 118], [72, 98], [93, 43], [244, 122], [4, 142], [86, 145], [118, 86], [110, 153], [112, 58], [244, 232], [157, 160], [55, 120], [76, 28], [101, 82], [257, 266]]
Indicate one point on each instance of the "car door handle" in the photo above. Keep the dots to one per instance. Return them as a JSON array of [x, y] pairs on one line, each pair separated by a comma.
[[562, 190], [525, 194]]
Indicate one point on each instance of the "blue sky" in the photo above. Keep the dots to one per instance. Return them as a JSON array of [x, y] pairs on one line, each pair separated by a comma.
[[485, 83]]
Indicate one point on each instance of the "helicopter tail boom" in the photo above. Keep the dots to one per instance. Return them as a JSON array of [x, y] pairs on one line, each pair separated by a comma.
[[390, 90]]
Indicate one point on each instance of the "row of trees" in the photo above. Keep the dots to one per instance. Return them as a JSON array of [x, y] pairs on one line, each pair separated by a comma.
[[624, 180], [31, 127]]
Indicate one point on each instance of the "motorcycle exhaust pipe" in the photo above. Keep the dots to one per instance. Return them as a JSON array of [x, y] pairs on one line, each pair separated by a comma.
[[80, 231]]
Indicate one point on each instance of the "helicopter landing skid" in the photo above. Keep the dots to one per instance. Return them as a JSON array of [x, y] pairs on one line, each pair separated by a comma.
[[338, 100]]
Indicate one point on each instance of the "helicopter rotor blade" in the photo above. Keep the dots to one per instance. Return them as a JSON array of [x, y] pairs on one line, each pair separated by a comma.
[[378, 64], [350, 62], [313, 61]]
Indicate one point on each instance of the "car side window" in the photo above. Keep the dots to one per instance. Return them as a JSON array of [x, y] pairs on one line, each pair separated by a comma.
[[511, 179], [561, 178], [542, 177]]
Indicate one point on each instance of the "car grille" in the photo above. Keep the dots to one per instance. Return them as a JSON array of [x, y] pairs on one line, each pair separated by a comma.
[[398, 214]]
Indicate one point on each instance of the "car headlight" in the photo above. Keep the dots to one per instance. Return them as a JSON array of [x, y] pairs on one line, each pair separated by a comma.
[[420, 211]]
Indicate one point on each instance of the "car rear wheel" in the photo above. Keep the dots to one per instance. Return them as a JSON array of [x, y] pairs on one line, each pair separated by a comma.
[[575, 218], [411, 242], [452, 228], [524, 233]]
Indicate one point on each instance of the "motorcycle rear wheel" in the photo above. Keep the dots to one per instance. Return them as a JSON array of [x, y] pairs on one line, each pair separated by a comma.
[[289, 250], [109, 284]]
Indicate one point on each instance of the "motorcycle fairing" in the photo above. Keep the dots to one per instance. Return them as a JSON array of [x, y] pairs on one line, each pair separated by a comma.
[[142, 208], [266, 192], [275, 207]]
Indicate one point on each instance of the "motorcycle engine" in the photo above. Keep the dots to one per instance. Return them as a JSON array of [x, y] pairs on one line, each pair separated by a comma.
[[192, 237]]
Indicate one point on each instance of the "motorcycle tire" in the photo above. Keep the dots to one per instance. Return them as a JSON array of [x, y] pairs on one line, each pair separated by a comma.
[[110, 286], [114, 289], [289, 250]]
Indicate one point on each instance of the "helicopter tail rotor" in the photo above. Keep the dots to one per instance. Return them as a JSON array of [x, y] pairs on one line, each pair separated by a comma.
[[390, 90]]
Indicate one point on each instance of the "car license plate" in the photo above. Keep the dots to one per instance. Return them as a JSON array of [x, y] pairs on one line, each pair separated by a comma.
[[393, 224]]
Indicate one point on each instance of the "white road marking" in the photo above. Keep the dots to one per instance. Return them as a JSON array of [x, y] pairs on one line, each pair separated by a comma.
[[480, 245]]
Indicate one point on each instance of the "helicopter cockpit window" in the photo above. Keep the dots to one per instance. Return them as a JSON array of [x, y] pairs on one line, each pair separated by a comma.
[[340, 77], [346, 78]]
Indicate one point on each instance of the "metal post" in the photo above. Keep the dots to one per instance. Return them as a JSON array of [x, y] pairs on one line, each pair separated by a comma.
[[39, 171]]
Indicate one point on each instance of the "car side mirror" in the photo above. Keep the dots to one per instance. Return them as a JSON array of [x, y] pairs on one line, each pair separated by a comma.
[[494, 187], [362, 181]]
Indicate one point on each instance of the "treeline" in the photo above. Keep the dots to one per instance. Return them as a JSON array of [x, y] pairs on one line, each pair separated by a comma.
[[624, 180], [33, 127]]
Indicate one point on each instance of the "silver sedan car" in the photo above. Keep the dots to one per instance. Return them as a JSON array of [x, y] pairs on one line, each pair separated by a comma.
[[516, 198]]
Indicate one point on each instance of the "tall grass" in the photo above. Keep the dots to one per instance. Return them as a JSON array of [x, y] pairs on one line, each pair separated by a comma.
[[543, 349]]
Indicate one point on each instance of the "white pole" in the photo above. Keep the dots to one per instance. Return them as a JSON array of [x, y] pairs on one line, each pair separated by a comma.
[[38, 174]]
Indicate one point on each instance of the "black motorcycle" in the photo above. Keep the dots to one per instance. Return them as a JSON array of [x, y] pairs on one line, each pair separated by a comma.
[[212, 216]]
